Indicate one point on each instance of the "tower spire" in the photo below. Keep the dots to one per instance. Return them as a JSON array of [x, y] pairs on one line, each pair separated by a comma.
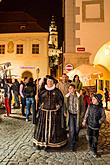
[[53, 33]]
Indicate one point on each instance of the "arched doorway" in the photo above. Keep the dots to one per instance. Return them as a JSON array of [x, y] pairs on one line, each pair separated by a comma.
[[26, 74], [102, 61], [102, 57]]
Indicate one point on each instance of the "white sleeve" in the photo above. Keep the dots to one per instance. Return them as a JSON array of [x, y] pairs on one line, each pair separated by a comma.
[[20, 90]]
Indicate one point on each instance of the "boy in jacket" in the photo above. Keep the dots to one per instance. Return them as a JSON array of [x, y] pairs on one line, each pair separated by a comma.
[[72, 104], [94, 117]]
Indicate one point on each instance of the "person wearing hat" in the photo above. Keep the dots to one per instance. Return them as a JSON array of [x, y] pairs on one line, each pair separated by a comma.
[[49, 129], [94, 117]]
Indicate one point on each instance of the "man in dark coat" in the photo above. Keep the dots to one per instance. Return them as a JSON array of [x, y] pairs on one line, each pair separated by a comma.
[[30, 92], [15, 88]]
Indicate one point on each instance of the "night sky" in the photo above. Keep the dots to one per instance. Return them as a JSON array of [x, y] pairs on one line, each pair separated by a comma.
[[42, 10]]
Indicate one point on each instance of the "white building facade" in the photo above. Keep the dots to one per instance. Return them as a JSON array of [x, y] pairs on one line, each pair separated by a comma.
[[87, 24]]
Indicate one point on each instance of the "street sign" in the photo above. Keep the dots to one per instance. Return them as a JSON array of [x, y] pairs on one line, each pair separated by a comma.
[[69, 67], [80, 49]]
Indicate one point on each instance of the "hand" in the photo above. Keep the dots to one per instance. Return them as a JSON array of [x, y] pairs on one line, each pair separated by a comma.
[[65, 114], [67, 95], [78, 94], [36, 98], [57, 107], [84, 123]]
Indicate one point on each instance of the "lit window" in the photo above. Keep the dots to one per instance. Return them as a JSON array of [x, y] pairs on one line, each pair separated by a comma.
[[19, 49], [35, 48], [2, 49]]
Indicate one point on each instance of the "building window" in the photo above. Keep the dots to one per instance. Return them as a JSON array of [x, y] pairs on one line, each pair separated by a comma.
[[2, 49], [101, 84], [19, 49], [22, 27], [35, 48], [87, 11]]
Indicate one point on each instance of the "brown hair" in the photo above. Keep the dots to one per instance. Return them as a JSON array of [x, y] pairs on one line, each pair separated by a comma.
[[72, 85]]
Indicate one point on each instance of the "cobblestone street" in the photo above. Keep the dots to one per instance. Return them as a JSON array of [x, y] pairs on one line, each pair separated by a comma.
[[16, 145]]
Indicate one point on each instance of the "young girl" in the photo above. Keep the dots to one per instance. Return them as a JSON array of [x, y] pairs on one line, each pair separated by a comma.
[[94, 117], [78, 84]]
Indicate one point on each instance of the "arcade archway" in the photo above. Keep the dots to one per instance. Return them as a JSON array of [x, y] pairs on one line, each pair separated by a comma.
[[102, 61], [26, 74], [102, 57]]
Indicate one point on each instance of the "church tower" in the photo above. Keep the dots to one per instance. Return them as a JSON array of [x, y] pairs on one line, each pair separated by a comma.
[[53, 33], [54, 53]]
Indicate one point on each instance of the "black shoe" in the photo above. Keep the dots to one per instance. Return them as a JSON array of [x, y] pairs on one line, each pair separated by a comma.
[[70, 148], [45, 148], [34, 145], [16, 107], [30, 113], [38, 148], [23, 114], [73, 149]]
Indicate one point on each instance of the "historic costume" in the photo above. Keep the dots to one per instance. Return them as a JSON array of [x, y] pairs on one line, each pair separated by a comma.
[[49, 129]]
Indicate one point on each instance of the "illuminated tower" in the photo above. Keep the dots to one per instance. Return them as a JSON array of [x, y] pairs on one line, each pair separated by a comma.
[[53, 33], [54, 53]]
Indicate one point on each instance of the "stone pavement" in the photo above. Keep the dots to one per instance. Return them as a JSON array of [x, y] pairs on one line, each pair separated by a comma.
[[16, 147]]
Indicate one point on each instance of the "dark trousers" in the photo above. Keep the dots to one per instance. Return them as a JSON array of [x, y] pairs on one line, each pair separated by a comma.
[[23, 104], [73, 130], [16, 100], [93, 139], [106, 102]]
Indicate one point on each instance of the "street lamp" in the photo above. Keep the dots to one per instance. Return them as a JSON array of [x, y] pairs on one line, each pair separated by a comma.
[[37, 87]]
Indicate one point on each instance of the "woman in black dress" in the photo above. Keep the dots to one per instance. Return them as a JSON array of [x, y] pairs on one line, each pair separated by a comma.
[[49, 129]]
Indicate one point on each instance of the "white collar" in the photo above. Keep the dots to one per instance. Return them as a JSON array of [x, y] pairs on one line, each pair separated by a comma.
[[51, 88]]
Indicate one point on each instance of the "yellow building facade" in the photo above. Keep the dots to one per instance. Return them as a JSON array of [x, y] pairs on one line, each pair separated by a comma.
[[24, 44]]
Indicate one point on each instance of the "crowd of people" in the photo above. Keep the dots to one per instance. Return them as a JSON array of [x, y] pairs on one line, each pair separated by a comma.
[[58, 108]]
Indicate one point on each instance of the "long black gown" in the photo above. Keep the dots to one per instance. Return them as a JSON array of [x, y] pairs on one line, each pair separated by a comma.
[[49, 129]]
